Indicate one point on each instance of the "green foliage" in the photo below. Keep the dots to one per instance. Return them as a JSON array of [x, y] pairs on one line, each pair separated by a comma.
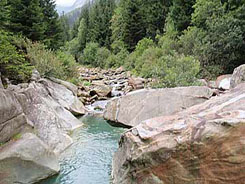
[[94, 55], [180, 14], [87, 83], [217, 37], [134, 20], [4, 14], [36, 20], [134, 61], [51, 64], [178, 70], [26, 17], [53, 30], [12, 61], [89, 56]]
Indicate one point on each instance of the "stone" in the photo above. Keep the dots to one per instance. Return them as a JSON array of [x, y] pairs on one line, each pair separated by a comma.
[[64, 97], [223, 82], [51, 120], [101, 90], [27, 160], [68, 85], [136, 83], [212, 84], [202, 144], [12, 118], [35, 76], [238, 76], [132, 109]]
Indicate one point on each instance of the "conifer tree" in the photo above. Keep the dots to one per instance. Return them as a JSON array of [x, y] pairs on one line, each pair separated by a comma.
[[26, 17], [53, 32], [180, 14], [4, 14]]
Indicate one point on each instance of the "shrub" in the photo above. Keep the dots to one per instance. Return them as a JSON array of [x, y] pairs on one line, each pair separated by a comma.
[[12, 59], [178, 70], [132, 62], [50, 64], [89, 56]]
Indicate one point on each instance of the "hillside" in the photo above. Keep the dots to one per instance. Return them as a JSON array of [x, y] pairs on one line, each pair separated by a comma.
[[77, 4]]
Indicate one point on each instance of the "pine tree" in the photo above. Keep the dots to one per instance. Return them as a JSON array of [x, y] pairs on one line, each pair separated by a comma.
[[65, 28], [26, 17], [180, 14], [53, 32], [134, 20], [4, 14]]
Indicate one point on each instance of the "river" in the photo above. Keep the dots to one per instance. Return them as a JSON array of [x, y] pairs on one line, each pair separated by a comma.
[[89, 159]]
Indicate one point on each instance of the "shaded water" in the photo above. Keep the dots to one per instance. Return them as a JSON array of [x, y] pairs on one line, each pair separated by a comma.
[[88, 160]]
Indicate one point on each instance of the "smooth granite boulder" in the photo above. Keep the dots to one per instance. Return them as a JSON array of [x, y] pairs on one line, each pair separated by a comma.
[[64, 96], [12, 118], [132, 109], [238, 76], [27, 160], [204, 144], [51, 120]]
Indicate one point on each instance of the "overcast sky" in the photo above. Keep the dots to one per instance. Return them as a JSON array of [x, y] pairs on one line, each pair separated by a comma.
[[65, 2]]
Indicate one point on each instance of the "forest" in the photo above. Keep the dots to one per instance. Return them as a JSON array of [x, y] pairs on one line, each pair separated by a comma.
[[173, 41]]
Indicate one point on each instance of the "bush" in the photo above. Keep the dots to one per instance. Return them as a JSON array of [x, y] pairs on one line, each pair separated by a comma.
[[12, 59], [96, 56], [178, 70], [89, 56], [133, 62], [51, 64]]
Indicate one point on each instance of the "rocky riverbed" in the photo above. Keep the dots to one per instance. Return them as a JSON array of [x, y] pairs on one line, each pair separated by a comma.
[[36, 120]]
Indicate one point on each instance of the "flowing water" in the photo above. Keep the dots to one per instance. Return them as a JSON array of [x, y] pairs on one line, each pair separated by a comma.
[[88, 160]]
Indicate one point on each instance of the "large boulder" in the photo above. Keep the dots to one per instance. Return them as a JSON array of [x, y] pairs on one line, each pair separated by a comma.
[[27, 160], [12, 118], [68, 85], [48, 114], [203, 144], [238, 76], [64, 96], [132, 109], [223, 82], [101, 90]]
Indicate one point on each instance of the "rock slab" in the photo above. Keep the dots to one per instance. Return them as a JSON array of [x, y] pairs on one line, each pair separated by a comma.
[[12, 118], [238, 76], [27, 161], [202, 145], [132, 109]]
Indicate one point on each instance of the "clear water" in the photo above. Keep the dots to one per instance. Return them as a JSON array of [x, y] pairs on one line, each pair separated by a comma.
[[88, 160]]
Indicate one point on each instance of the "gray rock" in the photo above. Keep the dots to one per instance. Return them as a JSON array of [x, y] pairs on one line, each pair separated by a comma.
[[64, 97], [238, 76], [68, 85], [203, 144], [35, 76], [223, 82], [12, 118], [27, 160], [137, 106], [51, 120]]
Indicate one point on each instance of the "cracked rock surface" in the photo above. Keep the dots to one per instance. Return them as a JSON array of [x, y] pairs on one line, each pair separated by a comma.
[[203, 144]]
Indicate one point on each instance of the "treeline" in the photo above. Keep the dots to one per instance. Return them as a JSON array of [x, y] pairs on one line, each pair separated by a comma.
[[31, 33], [166, 39], [173, 41]]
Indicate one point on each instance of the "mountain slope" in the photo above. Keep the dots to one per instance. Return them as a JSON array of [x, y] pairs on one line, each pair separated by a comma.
[[77, 4]]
